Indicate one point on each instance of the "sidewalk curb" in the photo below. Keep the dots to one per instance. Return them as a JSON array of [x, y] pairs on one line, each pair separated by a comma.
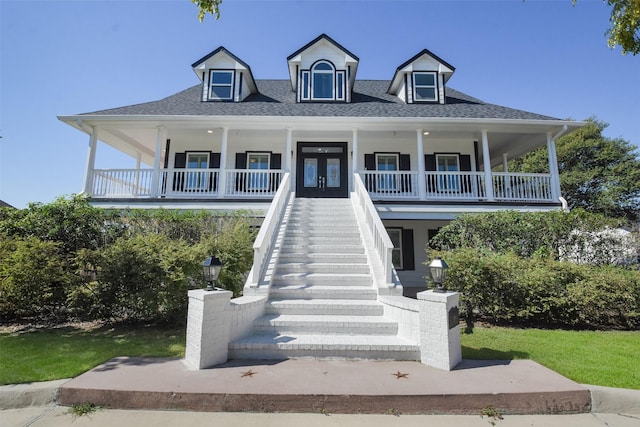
[[608, 400], [16, 396]]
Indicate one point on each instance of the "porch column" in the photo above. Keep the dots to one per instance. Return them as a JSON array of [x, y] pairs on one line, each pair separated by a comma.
[[91, 161], [354, 157], [422, 188], [553, 167], [137, 174], [156, 161], [222, 179], [486, 160], [287, 151]]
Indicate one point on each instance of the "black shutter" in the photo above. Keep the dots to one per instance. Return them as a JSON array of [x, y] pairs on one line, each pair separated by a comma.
[[276, 161], [405, 165], [431, 233], [430, 166], [179, 162], [370, 165], [408, 262], [214, 163], [241, 163], [465, 166]]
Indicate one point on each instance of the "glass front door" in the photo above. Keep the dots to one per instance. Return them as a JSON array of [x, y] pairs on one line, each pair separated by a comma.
[[322, 170]]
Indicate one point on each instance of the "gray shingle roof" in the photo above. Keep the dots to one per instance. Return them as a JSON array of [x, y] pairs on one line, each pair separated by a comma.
[[369, 99]]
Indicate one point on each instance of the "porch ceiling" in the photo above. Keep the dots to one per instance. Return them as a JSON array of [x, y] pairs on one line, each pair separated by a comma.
[[133, 134]]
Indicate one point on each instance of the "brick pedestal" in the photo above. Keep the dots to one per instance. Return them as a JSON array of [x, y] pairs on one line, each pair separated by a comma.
[[208, 328], [439, 329]]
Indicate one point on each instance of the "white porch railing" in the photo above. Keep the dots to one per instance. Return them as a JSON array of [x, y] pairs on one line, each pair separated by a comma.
[[391, 184], [522, 186], [122, 183], [266, 236], [455, 185], [193, 183], [381, 240]]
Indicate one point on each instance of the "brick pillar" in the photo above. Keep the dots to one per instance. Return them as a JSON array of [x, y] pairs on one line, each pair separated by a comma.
[[208, 328], [439, 329]]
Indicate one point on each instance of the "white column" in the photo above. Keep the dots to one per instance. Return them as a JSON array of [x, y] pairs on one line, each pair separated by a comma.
[[287, 151], [156, 161], [222, 179], [91, 161], [137, 174], [440, 345], [553, 167], [486, 159], [208, 328], [505, 162], [422, 188], [507, 179], [354, 158]]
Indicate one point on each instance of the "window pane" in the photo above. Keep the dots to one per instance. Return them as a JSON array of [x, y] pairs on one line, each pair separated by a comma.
[[323, 85], [198, 161], [387, 163], [323, 66], [305, 85], [333, 173], [222, 92], [425, 93], [394, 235], [425, 79], [222, 78], [310, 172], [340, 86], [258, 161]]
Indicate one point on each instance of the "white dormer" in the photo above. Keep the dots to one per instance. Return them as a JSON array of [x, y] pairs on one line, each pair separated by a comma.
[[421, 79], [322, 71], [224, 76]]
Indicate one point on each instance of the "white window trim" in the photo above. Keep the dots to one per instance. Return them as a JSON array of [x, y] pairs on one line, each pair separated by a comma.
[[195, 181], [258, 181], [332, 72], [416, 86], [456, 156], [259, 153], [448, 182], [230, 85]]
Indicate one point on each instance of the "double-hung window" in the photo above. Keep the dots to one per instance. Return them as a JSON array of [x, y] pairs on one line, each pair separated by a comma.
[[197, 180], [448, 163], [395, 234], [258, 181], [387, 164], [425, 88], [221, 84]]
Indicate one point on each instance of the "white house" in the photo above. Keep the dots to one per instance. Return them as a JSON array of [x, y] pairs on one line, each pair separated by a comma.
[[408, 154]]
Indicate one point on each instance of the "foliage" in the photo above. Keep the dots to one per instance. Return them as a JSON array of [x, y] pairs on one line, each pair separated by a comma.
[[534, 234], [625, 25], [207, 6], [597, 173], [508, 289], [81, 409], [71, 260]]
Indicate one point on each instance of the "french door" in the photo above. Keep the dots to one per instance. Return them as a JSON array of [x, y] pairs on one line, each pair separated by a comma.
[[322, 169]]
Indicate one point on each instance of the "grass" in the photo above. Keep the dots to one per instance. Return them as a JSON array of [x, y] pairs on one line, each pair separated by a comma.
[[588, 357], [49, 354], [599, 358]]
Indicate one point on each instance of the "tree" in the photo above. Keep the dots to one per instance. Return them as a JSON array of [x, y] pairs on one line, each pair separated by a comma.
[[597, 173], [625, 25], [207, 6]]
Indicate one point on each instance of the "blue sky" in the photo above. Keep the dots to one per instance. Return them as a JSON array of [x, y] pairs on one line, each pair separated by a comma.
[[68, 57]]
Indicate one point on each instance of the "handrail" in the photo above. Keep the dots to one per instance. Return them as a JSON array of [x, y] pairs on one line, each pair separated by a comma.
[[381, 240], [266, 236]]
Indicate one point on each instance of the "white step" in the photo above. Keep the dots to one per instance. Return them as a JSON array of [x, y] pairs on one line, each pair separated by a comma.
[[325, 307], [320, 248], [286, 324], [323, 279], [321, 267], [301, 291], [275, 346], [327, 257]]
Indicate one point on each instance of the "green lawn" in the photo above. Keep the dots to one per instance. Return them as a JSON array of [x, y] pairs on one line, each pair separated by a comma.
[[610, 359], [601, 358], [67, 352]]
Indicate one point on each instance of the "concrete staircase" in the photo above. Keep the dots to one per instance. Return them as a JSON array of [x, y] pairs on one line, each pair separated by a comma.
[[322, 302]]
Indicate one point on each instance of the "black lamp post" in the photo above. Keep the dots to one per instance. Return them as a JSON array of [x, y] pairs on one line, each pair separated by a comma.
[[211, 269], [438, 270]]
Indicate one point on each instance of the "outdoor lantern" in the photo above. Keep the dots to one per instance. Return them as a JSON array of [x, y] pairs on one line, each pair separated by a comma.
[[211, 269], [438, 270]]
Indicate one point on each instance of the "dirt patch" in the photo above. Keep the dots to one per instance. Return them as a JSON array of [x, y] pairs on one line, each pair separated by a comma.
[[13, 328]]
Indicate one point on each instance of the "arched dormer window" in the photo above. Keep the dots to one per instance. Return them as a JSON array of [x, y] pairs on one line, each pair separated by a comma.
[[322, 83]]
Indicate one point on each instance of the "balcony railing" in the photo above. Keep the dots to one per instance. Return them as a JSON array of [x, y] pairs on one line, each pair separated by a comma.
[[192, 183], [381, 185]]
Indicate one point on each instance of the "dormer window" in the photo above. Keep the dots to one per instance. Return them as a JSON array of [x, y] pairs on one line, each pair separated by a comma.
[[425, 87], [221, 84], [323, 83]]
